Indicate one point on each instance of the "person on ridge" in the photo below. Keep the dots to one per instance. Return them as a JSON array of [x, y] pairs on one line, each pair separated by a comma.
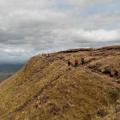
[[76, 62], [82, 61]]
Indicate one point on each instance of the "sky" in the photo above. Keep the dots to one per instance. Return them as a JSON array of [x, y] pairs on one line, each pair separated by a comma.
[[30, 27]]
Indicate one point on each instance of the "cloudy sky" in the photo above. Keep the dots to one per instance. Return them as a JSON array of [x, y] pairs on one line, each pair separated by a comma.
[[29, 27]]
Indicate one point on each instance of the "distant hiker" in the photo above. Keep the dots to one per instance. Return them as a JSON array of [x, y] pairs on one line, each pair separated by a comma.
[[82, 61], [69, 63], [76, 62]]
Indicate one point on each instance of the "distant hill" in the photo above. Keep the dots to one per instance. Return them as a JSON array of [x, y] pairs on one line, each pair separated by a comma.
[[79, 84], [4, 76], [9, 68]]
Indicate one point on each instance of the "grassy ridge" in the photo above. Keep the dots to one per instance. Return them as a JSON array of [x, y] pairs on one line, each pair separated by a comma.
[[46, 88]]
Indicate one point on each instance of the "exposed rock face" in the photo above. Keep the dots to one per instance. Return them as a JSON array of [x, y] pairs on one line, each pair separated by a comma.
[[51, 87]]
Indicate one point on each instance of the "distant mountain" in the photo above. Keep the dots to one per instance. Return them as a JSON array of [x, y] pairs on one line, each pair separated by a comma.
[[80, 84], [4, 75], [9, 68]]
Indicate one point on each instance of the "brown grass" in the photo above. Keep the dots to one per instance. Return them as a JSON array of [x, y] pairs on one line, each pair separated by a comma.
[[46, 88]]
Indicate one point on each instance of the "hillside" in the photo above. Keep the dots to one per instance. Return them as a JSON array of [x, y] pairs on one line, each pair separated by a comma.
[[53, 87]]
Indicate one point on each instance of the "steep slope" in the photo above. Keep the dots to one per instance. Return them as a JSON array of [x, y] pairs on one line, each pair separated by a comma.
[[48, 88]]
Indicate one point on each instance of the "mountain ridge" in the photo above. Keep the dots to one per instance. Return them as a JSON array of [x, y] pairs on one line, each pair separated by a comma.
[[48, 88]]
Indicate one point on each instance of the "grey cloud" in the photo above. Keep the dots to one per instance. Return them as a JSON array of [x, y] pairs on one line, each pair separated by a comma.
[[84, 3], [31, 27]]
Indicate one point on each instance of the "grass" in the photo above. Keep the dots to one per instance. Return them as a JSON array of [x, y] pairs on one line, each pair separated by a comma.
[[46, 88]]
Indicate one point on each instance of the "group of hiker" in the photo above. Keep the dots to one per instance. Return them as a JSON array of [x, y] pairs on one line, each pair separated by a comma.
[[76, 62], [46, 55]]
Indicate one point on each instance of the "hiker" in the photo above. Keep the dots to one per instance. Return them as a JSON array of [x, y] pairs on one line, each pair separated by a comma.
[[76, 62], [82, 61], [69, 63]]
